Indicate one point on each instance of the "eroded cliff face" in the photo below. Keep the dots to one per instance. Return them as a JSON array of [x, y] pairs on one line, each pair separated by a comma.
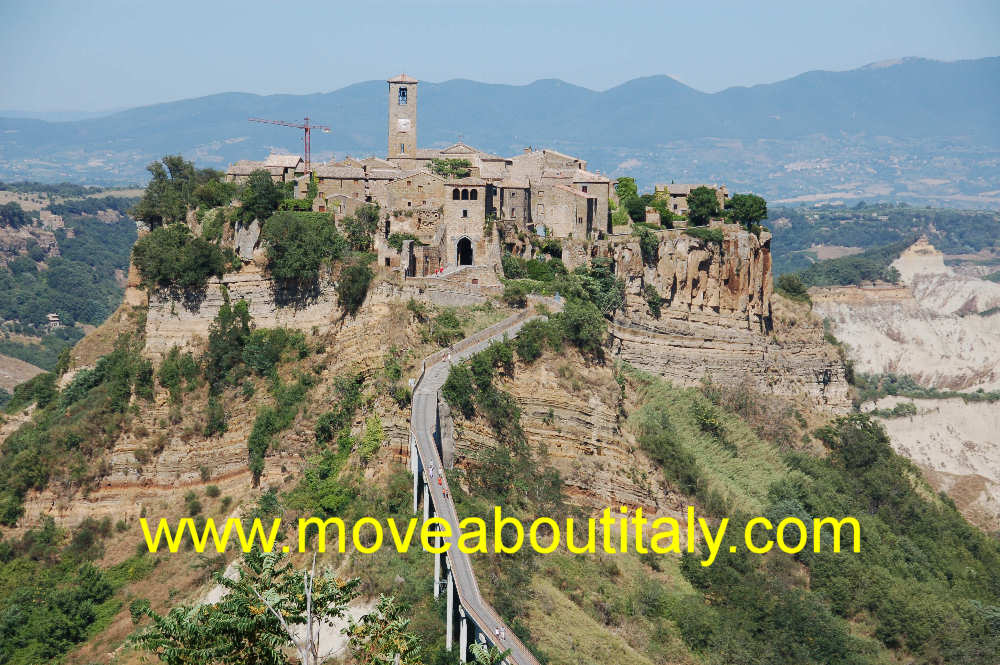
[[938, 327], [571, 414], [717, 319], [162, 451]]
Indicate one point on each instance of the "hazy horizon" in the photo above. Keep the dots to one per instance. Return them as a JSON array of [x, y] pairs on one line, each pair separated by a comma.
[[119, 55]]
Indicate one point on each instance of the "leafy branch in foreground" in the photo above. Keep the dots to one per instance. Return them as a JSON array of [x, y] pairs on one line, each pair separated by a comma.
[[253, 623]]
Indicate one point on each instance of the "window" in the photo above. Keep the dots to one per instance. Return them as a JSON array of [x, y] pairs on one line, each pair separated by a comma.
[[387, 262], [402, 148], [402, 96], [465, 195], [541, 210], [584, 189], [513, 195], [474, 194], [409, 204], [455, 194], [465, 213], [408, 183]]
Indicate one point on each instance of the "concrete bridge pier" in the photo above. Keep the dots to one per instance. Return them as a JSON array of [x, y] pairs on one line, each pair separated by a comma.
[[437, 571], [427, 503], [463, 636], [450, 615], [416, 470]]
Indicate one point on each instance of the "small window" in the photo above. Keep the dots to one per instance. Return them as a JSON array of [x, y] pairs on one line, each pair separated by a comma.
[[541, 209], [455, 194], [387, 262], [408, 184], [465, 213], [402, 148], [409, 204], [465, 195], [584, 189], [513, 195], [473, 194], [402, 96]]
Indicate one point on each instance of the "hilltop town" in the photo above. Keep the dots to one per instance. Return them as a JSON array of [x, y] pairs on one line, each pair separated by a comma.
[[442, 205]]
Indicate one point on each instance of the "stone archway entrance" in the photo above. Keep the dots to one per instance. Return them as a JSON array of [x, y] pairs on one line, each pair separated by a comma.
[[465, 252]]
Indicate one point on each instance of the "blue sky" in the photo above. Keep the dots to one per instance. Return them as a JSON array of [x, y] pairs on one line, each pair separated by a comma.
[[97, 55]]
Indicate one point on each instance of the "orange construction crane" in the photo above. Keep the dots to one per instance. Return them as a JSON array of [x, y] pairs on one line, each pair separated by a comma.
[[305, 126]]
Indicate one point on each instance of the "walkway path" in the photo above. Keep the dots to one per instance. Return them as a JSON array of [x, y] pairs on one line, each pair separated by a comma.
[[423, 425]]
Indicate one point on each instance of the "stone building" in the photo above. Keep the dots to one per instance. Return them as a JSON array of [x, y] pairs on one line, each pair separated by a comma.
[[283, 168], [445, 221], [676, 196]]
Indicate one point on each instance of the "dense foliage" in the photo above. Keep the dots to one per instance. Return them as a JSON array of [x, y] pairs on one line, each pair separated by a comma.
[[78, 285], [796, 230], [71, 426], [175, 186], [171, 257], [869, 266], [260, 197], [360, 227], [451, 168], [51, 595], [13, 216], [746, 209], [703, 206], [924, 581], [298, 243]]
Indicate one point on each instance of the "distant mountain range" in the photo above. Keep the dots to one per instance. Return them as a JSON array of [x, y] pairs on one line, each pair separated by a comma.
[[912, 129]]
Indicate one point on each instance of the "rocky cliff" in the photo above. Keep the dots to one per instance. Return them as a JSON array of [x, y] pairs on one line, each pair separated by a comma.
[[938, 327], [717, 318]]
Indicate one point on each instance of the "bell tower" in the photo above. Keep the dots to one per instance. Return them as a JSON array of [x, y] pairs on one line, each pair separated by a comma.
[[402, 116]]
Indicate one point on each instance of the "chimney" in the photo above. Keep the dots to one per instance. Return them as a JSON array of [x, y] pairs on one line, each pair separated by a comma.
[[527, 150]]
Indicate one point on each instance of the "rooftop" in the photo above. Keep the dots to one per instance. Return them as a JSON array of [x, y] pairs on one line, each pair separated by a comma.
[[402, 78]]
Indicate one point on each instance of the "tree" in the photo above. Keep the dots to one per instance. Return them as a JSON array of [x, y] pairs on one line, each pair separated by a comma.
[[487, 655], [352, 286], [260, 197], [13, 216], [381, 635], [360, 228], [747, 209], [172, 190], [298, 243], [171, 257], [253, 623], [702, 206], [626, 189]]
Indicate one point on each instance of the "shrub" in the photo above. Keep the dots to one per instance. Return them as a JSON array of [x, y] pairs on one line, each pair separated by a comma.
[[705, 234], [215, 417], [227, 335], [458, 390], [790, 286], [515, 295], [264, 347], [653, 300], [352, 286], [212, 491], [396, 240], [445, 328], [649, 246], [584, 326]]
